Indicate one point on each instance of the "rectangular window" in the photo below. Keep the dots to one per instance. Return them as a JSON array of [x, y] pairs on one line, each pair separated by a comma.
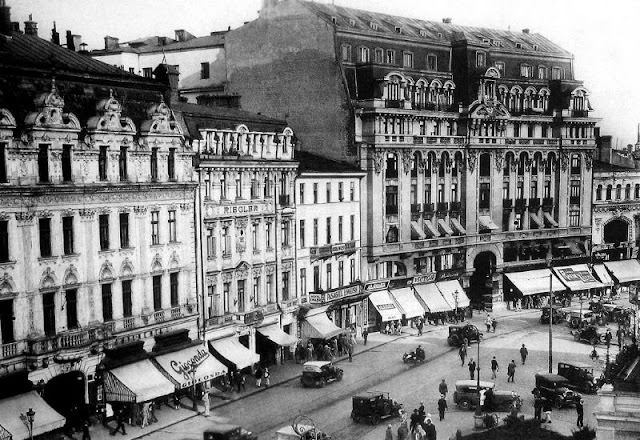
[[157, 292], [481, 59], [520, 190], [556, 73], [352, 191], [352, 227], [226, 241], [154, 164], [240, 292], [391, 56], [67, 235], [575, 188], [485, 195], [574, 218], [107, 303], [505, 190], [526, 71], [315, 232], [4, 240], [407, 59], [173, 235], [127, 304], [284, 229], [316, 278], [542, 72], [256, 291], [45, 237], [171, 164], [340, 229], [302, 237], [315, 193], [43, 163], [427, 193], [340, 191], [547, 189], [226, 288], [432, 62], [102, 162], [340, 273], [328, 276], [364, 54], [346, 53], [533, 191], [71, 306], [49, 313], [500, 66], [328, 230], [254, 237], [440, 192], [122, 164], [352, 270], [268, 234], [3, 163], [301, 193], [270, 297], [103, 224], [66, 164], [204, 70], [173, 289], [328, 192], [155, 227], [211, 243], [303, 282], [147, 72], [124, 230], [239, 185]]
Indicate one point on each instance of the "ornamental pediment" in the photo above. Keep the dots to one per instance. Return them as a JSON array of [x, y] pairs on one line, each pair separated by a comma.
[[489, 109], [110, 119], [49, 114]]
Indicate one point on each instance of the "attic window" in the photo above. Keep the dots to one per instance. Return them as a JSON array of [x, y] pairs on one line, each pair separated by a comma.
[[398, 30], [439, 34], [373, 26], [334, 20], [497, 43], [486, 41], [535, 47], [352, 22], [423, 33], [518, 45]]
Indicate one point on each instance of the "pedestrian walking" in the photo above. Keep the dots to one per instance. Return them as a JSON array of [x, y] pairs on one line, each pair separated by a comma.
[[443, 388], [243, 382], [267, 377], [494, 367], [620, 334], [442, 406], [145, 415], [350, 351], [546, 407], [403, 431], [207, 403], [310, 350], [511, 371], [119, 423], [388, 435], [421, 412], [414, 420], [537, 407], [258, 376], [487, 322], [365, 334], [607, 337], [430, 430], [523, 354], [472, 369], [462, 352], [237, 377], [580, 412], [86, 434], [494, 324]]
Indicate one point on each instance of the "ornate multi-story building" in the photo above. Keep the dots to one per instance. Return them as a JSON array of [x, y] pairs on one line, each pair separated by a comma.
[[477, 143], [97, 235]]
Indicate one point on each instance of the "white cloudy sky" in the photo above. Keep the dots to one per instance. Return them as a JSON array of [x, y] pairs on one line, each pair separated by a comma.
[[601, 34]]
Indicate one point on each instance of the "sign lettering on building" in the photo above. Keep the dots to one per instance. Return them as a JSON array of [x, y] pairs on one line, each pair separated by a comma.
[[422, 279], [376, 285], [576, 275], [331, 249], [239, 209], [320, 298], [189, 367]]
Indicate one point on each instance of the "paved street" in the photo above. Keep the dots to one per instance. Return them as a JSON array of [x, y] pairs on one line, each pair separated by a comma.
[[382, 369]]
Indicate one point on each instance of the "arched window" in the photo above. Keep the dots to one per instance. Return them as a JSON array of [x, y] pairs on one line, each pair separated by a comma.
[[543, 99], [420, 94], [444, 158], [537, 159], [599, 192], [637, 191], [608, 194], [550, 165], [415, 163], [457, 161], [522, 160], [392, 88], [618, 191], [503, 95], [485, 165], [391, 171], [627, 191]]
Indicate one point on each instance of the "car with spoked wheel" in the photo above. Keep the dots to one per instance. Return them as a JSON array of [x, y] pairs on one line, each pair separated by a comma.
[[556, 389], [466, 395], [319, 373]]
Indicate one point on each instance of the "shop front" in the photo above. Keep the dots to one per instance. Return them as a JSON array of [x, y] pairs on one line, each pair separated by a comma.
[[232, 353], [14, 423], [408, 304], [383, 310], [454, 294], [580, 282], [190, 366], [272, 342], [317, 325], [626, 273], [434, 302], [602, 274], [531, 287], [136, 383], [346, 306]]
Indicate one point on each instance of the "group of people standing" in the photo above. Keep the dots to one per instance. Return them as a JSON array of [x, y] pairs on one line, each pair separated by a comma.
[[326, 350]]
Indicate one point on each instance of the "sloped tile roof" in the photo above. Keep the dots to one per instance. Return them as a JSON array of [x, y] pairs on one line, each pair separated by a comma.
[[412, 27], [311, 163], [151, 44]]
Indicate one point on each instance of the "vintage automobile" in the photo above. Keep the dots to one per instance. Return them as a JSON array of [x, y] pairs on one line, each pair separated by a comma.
[[373, 406], [579, 318], [319, 373], [616, 313], [558, 314], [466, 395], [579, 375], [556, 388], [589, 334], [458, 333], [224, 431]]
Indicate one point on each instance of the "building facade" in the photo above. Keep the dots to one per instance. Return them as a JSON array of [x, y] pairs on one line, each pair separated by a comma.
[[328, 196], [477, 143], [96, 231]]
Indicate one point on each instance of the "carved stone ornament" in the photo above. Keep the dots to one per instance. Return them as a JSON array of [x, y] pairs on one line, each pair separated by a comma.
[[7, 121], [527, 164], [588, 160], [564, 160], [140, 210], [436, 166], [447, 164], [110, 119], [472, 156], [499, 160], [406, 161], [87, 213], [378, 161], [24, 216], [161, 121], [514, 165], [271, 269], [49, 113], [256, 271], [227, 276]]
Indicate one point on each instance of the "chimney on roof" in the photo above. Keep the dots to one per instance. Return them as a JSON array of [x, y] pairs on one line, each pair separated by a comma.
[[15, 26], [525, 30], [55, 35], [446, 20], [111, 43], [170, 75], [74, 41], [5, 18], [31, 27]]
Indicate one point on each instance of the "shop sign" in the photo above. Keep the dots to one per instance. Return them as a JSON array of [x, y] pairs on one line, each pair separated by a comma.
[[332, 249], [238, 209], [253, 317], [376, 285], [449, 274], [188, 368], [385, 306], [320, 298], [576, 275], [422, 279], [315, 298]]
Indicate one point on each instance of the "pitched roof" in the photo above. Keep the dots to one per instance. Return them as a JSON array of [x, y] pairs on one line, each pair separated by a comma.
[[310, 163], [357, 19], [600, 166], [151, 44]]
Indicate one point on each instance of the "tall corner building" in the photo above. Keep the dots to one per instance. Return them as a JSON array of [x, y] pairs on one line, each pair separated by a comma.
[[477, 143]]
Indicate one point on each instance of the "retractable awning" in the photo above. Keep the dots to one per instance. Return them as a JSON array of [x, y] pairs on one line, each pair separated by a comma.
[[277, 335], [453, 293], [430, 230], [46, 419], [536, 219], [624, 271], [457, 226], [231, 352], [602, 274], [416, 232], [549, 220], [190, 366], [486, 223], [577, 277], [139, 381], [410, 307], [444, 227], [432, 298], [317, 324], [532, 282], [385, 305]]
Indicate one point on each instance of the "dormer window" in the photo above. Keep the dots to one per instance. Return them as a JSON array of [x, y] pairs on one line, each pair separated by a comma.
[[398, 30], [440, 35], [535, 47], [423, 33], [352, 22], [518, 45], [486, 41], [373, 26], [334, 20]]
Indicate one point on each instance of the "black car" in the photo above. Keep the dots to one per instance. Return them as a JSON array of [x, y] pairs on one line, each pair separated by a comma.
[[579, 375], [557, 313], [588, 334], [556, 389], [374, 406], [225, 431], [458, 333], [319, 373]]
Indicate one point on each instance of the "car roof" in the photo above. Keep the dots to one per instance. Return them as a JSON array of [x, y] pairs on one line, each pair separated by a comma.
[[222, 428], [553, 377], [473, 383], [578, 364], [317, 364], [370, 394]]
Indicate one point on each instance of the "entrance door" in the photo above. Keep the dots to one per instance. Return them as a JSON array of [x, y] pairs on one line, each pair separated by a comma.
[[482, 279], [6, 321], [65, 393]]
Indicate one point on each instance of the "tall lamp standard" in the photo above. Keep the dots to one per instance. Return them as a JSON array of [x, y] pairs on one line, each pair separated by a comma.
[[194, 367], [28, 420], [456, 293], [550, 316]]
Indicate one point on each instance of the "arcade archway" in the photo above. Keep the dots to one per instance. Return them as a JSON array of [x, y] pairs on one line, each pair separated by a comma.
[[481, 282], [66, 392], [615, 232]]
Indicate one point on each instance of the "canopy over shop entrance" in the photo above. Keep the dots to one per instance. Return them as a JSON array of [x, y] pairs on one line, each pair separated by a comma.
[[577, 277], [532, 282], [317, 324], [603, 274], [231, 352], [453, 293], [277, 335], [432, 298], [409, 304], [139, 381], [385, 305], [13, 408], [190, 366], [624, 271]]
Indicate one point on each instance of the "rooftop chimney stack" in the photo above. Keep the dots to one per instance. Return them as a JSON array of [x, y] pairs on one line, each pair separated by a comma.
[[77, 42], [31, 27], [446, 20], [5, 17], [55, 35], [525, 30], [111, 43], [70, 45]]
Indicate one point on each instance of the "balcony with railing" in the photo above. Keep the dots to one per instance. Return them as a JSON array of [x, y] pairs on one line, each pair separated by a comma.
[[547, 203], [12, 349], [415, 207], [65, 340], [534, 204], [574, 200], [521, 203], [428, 208], [443, 206], [456, 206], [394, 103], [507, 203], [284, 200]]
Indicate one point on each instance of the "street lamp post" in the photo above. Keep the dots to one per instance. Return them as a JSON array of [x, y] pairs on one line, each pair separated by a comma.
[[550, 319], [193, 385], [478, 410], [28, 421], [456, 293]]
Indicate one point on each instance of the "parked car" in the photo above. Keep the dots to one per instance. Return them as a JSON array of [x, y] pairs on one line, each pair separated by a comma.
[[616, 313], [373, 406], [557, 313], [579, 318], [579, 375], [556, 388], [589, 333], [466, 395], [225, 431], [458, 333], [319, 373]]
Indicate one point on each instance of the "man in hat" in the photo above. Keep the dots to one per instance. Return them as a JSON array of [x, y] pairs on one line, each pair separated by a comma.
[[430, 429], [442, 406], [580, 412]]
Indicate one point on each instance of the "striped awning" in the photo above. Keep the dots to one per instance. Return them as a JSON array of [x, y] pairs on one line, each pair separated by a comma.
[[457, 226], [430, 230], [136, 382], [444, 227], [416, 232]]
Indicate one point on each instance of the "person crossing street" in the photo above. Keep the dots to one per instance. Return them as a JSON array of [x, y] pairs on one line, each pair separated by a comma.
[[494, 367], [472, 368], [442, 406], [511, 371], [523, 354]]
